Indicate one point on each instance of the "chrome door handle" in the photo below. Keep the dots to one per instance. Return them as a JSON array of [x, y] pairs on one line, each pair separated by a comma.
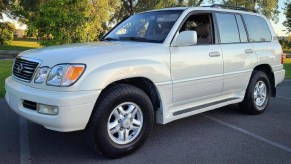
[[249, 51], [214, 54]]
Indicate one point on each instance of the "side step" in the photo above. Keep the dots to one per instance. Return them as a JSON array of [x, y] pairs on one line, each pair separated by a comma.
[[203, 106]]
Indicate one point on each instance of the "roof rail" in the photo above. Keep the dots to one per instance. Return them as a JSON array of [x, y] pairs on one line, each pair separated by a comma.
[[232, 7]]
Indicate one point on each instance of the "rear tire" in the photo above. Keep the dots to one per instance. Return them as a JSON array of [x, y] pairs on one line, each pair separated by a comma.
[[118, 114], [257, 95]]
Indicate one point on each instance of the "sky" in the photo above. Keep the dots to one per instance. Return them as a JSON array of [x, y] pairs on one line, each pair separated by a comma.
[[278, 27]]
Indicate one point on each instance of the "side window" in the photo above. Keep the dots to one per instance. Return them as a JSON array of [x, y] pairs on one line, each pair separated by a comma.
[[228, 30], [258, 29], [241, 28], [202, 24]]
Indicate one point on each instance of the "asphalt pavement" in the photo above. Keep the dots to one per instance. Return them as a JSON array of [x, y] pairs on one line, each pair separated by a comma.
[[224, 135]]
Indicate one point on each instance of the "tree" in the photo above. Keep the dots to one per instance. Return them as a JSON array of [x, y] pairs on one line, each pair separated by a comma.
[[6, 33], [5, 7], [130, 7], [25, 12], [267, 7], [72, 21], [98, 15], [287, 12]]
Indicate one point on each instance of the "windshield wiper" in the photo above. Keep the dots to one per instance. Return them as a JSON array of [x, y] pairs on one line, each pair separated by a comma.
[[109, 39], [139, 39]]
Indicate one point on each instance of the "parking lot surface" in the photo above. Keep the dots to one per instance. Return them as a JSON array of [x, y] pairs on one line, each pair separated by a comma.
[[224, 135]]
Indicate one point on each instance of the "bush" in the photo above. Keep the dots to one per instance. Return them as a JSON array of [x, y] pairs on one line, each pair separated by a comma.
[[6, 32], [285, 42], [7, 36]]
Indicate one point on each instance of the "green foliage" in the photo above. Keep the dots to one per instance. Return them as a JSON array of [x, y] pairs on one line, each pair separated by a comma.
[[6, 6], [287, 22], [6, 32], [62, 19], [5, 71], [267, 7], [6, 37], [72, 21], [21, 44], [3, 5], [130, 7], [286, 42], [69, 21], [287, 67]]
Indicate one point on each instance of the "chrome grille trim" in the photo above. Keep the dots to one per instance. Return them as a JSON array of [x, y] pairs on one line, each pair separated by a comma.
[[25, 68]]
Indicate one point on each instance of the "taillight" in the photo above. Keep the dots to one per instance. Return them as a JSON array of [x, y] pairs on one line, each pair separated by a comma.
[[282, 58]]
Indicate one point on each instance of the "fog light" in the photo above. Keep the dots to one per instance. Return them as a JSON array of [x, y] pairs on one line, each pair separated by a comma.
[[47, 109]]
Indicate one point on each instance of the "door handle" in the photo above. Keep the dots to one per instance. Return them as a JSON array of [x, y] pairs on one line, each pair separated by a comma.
[[214, 54], [249, 51]]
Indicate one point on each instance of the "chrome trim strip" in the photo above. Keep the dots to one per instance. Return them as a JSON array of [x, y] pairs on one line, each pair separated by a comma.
[[238, 72], [197, 78]]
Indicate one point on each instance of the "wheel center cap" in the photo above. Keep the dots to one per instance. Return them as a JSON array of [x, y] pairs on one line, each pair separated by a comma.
[[126, 123]]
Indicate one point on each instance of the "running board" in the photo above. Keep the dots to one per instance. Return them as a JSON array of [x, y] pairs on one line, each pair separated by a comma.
[[203, 106]]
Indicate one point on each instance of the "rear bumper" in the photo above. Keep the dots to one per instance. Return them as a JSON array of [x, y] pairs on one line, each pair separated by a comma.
[[279, 76], [75, 108]]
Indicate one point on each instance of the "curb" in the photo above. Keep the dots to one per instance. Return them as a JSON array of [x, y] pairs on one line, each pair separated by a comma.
[[9, 54], [287, 55]]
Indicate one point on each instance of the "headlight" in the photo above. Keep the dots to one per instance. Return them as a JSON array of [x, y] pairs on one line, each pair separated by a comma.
[[65, 74], [41, 75], [55, 75]]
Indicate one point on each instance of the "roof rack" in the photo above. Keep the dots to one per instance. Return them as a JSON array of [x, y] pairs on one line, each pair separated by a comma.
[[231, 7]]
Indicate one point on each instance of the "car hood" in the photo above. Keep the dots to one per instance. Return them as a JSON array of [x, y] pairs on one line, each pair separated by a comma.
[[81, 52]]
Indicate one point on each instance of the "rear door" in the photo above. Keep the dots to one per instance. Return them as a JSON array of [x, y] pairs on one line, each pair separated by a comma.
[[238, 53], [267, 50]]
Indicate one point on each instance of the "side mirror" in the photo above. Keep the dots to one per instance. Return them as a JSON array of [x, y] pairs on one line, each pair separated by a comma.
[[186, 38]]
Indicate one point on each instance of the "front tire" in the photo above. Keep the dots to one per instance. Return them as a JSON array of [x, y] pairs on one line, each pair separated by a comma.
[[257, 95], [121, 122]]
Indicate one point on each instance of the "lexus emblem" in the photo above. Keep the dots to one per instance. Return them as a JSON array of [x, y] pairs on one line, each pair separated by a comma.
[[19, 68]]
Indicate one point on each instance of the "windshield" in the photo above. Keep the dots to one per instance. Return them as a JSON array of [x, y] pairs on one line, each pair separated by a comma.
[[145, 27]]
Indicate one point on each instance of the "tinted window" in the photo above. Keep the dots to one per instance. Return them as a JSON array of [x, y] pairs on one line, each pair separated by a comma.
[[242, 30], [145, 27], [257, 28], [202, 24], [227, 28]]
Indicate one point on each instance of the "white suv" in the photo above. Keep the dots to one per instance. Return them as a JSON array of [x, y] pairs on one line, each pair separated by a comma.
[[156, 66]]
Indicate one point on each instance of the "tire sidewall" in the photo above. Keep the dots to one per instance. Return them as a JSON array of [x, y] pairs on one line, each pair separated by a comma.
[[259, 76], [104, 110]]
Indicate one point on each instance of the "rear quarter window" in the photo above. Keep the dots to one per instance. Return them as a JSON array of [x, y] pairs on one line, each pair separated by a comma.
[[258, 28]]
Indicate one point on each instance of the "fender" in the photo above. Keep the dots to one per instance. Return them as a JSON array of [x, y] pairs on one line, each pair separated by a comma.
[[106, 74]]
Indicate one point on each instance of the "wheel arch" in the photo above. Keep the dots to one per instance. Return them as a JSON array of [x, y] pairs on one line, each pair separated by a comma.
[[267, 69], [142, 83]]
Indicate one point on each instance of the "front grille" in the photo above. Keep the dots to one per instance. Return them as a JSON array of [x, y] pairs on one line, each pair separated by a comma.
[[24, 69], [29, 105]]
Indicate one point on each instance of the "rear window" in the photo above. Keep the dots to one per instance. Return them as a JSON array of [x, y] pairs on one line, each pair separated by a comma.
[[228, 30], [258, 29]]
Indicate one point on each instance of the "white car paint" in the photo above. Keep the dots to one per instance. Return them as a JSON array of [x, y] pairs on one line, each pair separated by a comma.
[[183, 79]]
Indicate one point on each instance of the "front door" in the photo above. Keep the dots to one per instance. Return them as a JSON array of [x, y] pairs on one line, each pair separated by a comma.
[[197, 70]]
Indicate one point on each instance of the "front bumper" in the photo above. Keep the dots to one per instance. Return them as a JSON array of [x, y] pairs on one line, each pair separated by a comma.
[[75, 108]]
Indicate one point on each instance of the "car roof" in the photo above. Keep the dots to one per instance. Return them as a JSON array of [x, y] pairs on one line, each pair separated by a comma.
[[206, 9]]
